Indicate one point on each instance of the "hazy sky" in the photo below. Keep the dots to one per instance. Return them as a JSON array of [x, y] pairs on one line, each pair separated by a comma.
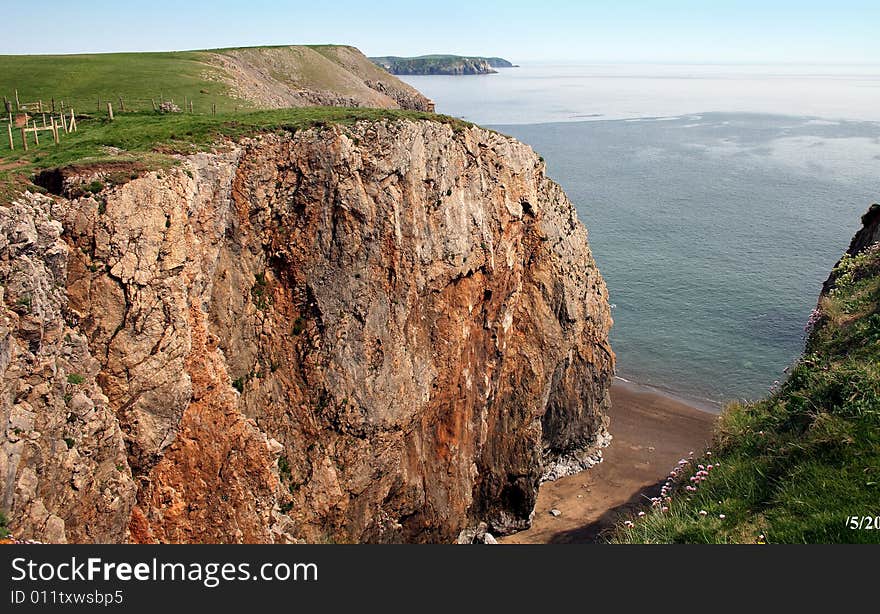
[[825, 31]]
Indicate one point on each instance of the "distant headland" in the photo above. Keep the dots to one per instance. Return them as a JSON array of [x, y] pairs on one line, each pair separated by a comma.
[[441, 65]]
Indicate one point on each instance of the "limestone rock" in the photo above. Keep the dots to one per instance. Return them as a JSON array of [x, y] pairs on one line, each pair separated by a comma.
[[63, 469], [390, 331]]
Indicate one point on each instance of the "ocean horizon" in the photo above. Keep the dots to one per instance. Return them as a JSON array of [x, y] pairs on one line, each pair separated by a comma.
[[713, 223]]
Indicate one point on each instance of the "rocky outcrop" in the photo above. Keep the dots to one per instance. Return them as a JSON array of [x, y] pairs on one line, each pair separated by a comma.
[[64, 472], [868, 235], [385, 332]]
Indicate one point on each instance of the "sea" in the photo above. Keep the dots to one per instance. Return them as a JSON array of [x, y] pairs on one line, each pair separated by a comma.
[[717, 199]]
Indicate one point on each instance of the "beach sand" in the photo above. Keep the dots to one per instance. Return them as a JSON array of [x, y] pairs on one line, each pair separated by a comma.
[[651, 431]]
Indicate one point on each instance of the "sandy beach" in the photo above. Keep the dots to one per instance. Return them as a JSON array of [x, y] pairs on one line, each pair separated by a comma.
[[651, 432]]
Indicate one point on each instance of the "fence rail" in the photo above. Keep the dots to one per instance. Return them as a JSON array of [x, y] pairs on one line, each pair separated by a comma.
[[31, 117], [120, 103], [26, 124]]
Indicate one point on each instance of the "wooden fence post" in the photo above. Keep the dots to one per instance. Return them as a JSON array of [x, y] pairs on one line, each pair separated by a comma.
[[190, 106], [36, 134], [63, 122], [17, 103], [55, 130], [213, 108], [62, 106], [53, 106], [121, 104], [72, 125], [110, 111], [41, 105], [154, 104], [99, 103], [44, 120], [24, 138], [11, 143]]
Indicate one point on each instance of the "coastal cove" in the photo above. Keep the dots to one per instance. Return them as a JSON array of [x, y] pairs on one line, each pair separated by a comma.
[[651, 431], [714, 230]]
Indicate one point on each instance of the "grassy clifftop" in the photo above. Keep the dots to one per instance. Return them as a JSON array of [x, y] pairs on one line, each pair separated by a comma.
[[797, 466], [252, 77], [80, 80], [149, 140]]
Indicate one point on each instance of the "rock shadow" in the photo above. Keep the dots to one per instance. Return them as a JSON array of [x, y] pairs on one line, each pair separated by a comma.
[[599, 531]]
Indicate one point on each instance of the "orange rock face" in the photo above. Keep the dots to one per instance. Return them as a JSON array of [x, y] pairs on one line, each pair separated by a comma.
[[386, 332]]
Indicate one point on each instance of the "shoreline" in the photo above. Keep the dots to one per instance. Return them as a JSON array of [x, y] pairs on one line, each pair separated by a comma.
[[651, 430], [707, 405]]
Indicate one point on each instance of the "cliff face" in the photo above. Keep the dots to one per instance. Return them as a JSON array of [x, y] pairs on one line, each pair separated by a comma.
[[64, 474], [388, 332]]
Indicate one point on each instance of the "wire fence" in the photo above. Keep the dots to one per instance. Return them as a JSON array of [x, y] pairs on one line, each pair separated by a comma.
[[23, 124], [199, 103], [24, 117]]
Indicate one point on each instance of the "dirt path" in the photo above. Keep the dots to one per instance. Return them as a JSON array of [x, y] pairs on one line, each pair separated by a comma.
[[651, 432]]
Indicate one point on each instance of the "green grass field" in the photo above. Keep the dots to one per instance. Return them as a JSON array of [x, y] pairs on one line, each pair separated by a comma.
[[81, 80], [796, 466]]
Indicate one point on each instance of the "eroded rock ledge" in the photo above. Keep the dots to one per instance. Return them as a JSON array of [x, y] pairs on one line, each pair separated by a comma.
[[387, 332]]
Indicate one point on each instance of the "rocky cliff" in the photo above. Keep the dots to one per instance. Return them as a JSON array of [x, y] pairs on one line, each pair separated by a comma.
[[386, 332]]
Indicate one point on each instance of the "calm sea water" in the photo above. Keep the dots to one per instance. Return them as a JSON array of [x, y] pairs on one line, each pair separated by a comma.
[[717, 201]]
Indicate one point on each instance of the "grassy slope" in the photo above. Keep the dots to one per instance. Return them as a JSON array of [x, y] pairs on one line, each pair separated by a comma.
[[353, 60], [793, 467], [302, 66], [80, 80]]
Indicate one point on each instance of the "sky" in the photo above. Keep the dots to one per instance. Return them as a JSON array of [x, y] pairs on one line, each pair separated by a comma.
[[687, 31]]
